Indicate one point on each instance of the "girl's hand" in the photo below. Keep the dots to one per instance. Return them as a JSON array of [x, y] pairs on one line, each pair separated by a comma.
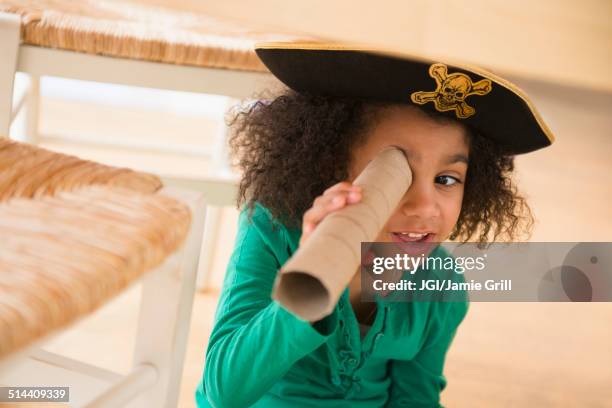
[[332, 199]]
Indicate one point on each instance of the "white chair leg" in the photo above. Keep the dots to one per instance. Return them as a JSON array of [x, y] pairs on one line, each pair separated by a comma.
[[211, 232], [165, 314], [220, 156], [32, 110], [220, 166], [9, 49]]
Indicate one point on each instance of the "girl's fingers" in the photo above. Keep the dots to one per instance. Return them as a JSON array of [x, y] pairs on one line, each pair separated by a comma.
[[354, 196], [332, 199], [326, 204]]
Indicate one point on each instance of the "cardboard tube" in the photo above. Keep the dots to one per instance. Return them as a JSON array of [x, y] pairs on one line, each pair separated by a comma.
[[310, 283]]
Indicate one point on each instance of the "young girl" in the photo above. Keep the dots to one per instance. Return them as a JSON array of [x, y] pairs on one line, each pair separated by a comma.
[[299, 152]]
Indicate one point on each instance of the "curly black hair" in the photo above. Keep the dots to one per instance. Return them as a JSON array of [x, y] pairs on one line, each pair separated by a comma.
[[292, 146]]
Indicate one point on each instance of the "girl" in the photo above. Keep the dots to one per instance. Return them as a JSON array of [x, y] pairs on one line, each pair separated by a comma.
[[299, 152]]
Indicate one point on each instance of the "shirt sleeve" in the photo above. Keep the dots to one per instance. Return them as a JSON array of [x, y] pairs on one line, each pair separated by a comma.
[[255, 340], [418, 382]]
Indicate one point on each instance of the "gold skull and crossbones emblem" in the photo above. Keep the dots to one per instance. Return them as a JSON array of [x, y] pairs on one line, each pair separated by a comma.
[[451, 91]]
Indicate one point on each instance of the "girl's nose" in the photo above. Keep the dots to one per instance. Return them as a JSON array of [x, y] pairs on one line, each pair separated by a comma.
[[420, 202]]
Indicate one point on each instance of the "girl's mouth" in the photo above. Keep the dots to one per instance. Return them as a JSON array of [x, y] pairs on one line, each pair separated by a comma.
[[414, 244], [411, 237]]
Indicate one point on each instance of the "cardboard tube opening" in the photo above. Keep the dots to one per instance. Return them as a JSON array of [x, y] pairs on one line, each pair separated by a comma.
[[300, 290]]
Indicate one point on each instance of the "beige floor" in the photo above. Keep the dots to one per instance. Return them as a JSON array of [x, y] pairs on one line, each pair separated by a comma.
[[505, 354]]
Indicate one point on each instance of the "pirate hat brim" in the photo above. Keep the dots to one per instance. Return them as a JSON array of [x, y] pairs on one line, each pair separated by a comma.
[[492, 105]]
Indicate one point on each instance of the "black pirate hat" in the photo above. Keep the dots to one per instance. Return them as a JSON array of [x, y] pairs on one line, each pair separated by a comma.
[[492, 105]]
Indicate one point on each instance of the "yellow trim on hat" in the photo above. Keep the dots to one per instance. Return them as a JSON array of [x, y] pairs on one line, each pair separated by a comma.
[[361, 47]]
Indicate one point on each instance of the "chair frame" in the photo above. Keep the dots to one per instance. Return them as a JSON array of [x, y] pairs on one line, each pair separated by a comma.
[[163, 326]]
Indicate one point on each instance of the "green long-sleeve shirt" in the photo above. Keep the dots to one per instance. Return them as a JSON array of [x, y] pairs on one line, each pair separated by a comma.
[[261, 355]]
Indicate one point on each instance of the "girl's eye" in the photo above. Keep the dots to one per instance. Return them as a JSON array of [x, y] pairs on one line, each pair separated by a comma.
[[447, 180]]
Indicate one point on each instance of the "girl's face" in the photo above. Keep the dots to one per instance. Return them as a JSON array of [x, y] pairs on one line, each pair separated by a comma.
[[437, 154]]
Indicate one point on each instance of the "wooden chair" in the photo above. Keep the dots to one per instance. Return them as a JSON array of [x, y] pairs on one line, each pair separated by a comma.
[[140, 43], [75, 234]]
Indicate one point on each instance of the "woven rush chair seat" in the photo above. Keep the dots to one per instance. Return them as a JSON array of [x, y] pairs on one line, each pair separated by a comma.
[[74, 234], [137, 30]]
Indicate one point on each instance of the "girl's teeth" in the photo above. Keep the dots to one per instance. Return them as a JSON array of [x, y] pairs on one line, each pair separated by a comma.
[[413, 234]]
